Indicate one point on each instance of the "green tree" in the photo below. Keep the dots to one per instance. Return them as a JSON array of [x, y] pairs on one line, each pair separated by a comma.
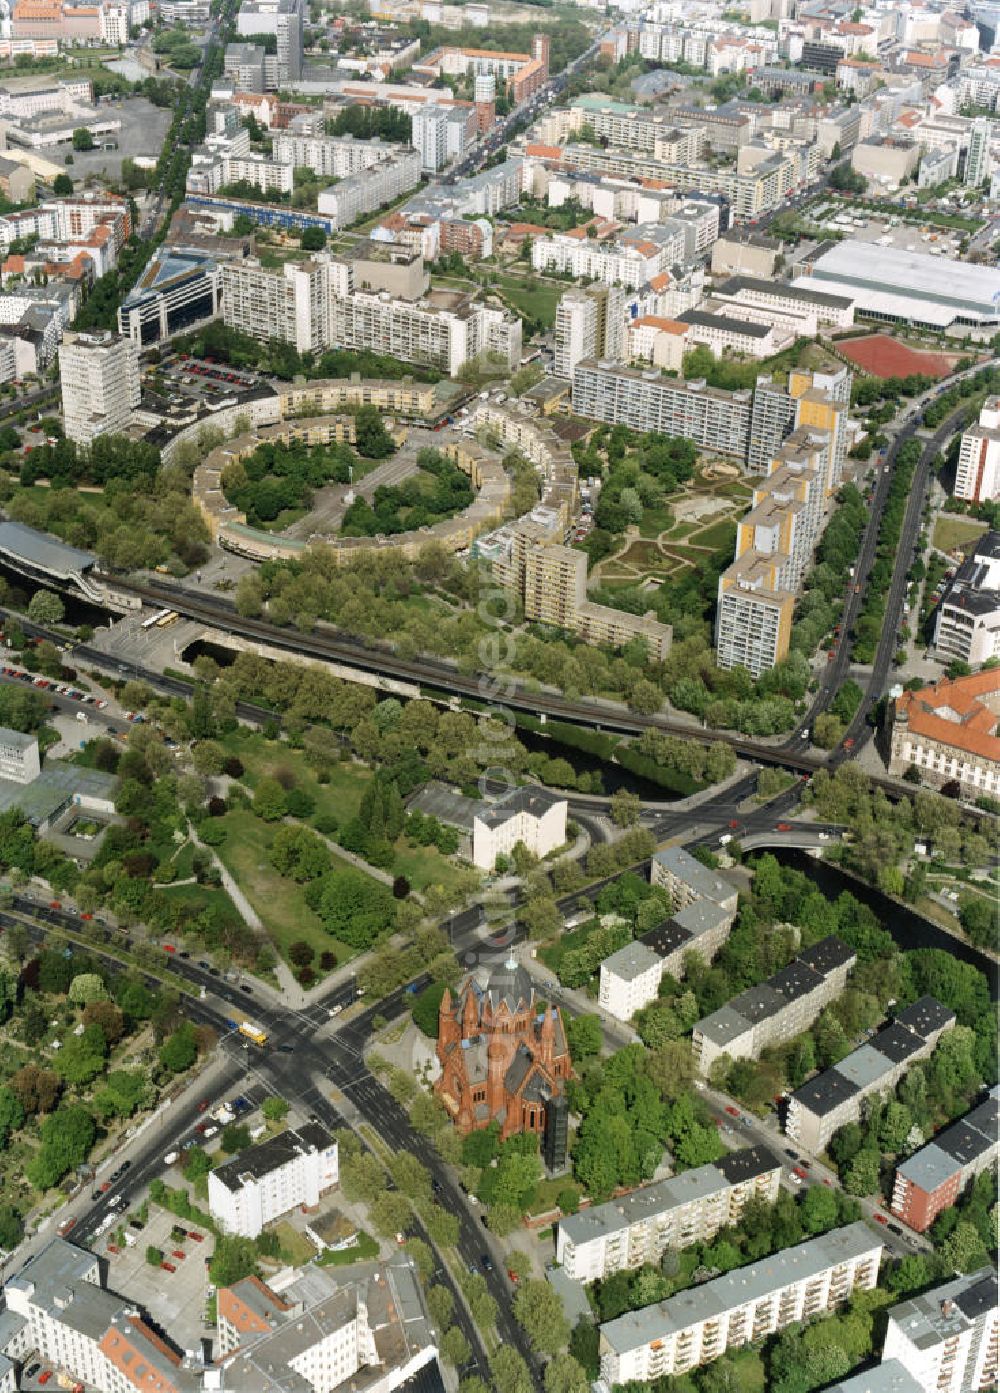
[[274, 1109], [563, 1374], [441, 1304], [62, 186], [818, 1209], [313, 239], [66, 1138], [11, 1227], [82, 139], [538, 1310], [583, 1035], [455, 1347], [82, 1056], [45, 607], [235, 1138], [233, 1259], [863, 1174], [269, 800], [963, 1250], [509, 1371], [154, 1255], [179, 1051], [11, 1115], [86, 988]]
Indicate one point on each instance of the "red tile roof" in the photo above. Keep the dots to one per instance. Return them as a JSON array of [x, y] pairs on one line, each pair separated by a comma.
[[970, 723]]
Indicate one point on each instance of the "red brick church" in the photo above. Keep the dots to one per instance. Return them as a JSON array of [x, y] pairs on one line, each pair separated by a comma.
[[503, 1058]]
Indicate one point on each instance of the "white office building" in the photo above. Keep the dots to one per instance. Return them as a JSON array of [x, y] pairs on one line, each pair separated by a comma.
[[425, 331], [99, 374], [967, 622], [689, 1208], [947, 1337], [531, 815], [697, 1326], [292, 305], [295, 1167]]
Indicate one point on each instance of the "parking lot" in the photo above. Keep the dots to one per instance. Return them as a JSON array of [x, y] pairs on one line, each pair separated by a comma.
[[833, 216], [196, 378], [176, 1300]]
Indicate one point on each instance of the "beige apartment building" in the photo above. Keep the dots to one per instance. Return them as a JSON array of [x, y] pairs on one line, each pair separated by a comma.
[[778, 1009], [687, 880], [689, 1208], [555, 593]]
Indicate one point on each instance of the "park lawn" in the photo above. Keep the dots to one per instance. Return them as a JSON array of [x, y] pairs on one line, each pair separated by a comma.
[[364, 1250], [750, 1374], [183, 862], [425, 865], [201, 897], [716, 536], [654, 521], [952, 533], [280, 903], [532, 297], [297, 1246], [340, 798]]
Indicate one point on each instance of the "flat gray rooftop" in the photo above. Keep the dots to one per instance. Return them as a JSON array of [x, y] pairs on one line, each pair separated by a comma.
[[41, 549]]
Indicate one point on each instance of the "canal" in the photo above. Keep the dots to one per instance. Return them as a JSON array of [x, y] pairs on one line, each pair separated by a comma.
[[910, 930]]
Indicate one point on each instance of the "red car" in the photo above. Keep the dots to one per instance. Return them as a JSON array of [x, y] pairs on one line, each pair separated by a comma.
[[44, 1376], [203, 1105], [717, 1121], [178, 1254], [55, 904], [105, 1187], [733, 1112], [88, 917], [169, 948], [734, 822], [783, 827], [880, 1218], [797, 1170], [168, 1267], [849, 743], [198, 1237], [65, 1227]]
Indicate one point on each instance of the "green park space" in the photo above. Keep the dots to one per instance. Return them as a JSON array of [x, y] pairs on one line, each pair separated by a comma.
[[532, 297], [279, 901], [339, 796], [953, 533]]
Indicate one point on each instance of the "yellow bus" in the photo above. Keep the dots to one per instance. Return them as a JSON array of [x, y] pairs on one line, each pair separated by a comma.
[[253, 1032]]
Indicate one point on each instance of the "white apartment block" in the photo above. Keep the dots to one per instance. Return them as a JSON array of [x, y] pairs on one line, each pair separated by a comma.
[[687, 880], [270, 176], [639, 1227], [292, 305], [531, 815], [359, 194], [967, 622], [778, 1009], [575, 332], [646, 401], [977, 477], [423, 331], [632, 260], [832, 1099], [439, 134], [99, 375], [18, 757], [630, 978], [947, 1337], [697, 1326], [295, 1167], [331, 156]]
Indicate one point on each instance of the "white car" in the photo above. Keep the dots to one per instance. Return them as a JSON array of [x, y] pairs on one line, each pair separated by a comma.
[[795, 1179]]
